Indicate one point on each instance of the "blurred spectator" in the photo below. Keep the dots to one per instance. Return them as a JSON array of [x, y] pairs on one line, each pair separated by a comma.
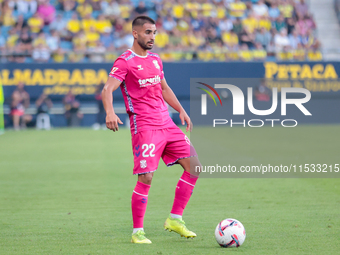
[[103, 25], [308, 40], [12, 39], [26, 41], [20, 102], [140, 9], [260, 9], [264, 22], [285, 54], [245, 54], [73, 25], [112, 11], [175, 38], [247, 38], [286, 9], [271, 48], [281, 40], [259, 53], [123, 41], [59, 56], [41, 53], [88, 22], [237, 26], [7, 18], [314, 54], [36, 23], [107, 40], [40, 40], [251, 23], [221, 11], [237, 9], [207, 9], [213, 37], [162, 38], [299, 54], [46, 11], [43, 104], [53, 41], [20, 23], [280, 23], [263, 37], [225, 24], [96, 6], [2, 42], [84, 9], [125, 7], [26, 7], [193, 8], [294, 39], [80, 41], [177, 10], [301, 8], [196, 39], [97, 52], [290, 25], [274, 11], [310, 21], [68, 5], [169, 23], [59, 25], [92, 37], [72, 110], [230, 39]]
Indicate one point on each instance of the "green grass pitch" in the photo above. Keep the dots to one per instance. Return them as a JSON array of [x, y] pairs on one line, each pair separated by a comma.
[[67, 191]]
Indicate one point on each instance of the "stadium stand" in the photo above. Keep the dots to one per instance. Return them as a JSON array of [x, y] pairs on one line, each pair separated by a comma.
[[99, 30]]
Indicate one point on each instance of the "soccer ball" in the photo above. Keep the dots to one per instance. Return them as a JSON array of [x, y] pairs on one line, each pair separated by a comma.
[[230, 233]]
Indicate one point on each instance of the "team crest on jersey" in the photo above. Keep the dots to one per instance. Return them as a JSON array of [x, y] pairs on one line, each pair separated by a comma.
[[155, 62], [143, 163]]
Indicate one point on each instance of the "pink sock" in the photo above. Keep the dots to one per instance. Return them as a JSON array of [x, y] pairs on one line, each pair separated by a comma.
[[139, 202], [184, 189]]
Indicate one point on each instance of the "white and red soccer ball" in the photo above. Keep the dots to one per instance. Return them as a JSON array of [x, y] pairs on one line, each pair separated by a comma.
[[230, 233]]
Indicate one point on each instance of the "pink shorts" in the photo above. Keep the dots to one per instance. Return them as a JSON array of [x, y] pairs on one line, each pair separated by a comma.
[[149, 146]]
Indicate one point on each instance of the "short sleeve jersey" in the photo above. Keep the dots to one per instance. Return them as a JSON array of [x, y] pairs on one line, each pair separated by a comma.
[[142, 92]]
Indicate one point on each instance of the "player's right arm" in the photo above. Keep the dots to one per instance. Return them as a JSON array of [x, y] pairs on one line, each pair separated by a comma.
[[112, 119], [116, 77]]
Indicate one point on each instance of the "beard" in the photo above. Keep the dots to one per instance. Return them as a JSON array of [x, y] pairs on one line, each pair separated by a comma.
[[144, 45]]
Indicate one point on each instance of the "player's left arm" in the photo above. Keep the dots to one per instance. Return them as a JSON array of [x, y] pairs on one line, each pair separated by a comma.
[[170, 97]]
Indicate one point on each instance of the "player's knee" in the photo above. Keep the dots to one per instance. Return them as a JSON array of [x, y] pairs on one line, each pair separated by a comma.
[[195, 167], [145, 178]]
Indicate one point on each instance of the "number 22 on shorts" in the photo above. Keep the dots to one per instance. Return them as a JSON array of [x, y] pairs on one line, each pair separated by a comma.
[[148, 150]]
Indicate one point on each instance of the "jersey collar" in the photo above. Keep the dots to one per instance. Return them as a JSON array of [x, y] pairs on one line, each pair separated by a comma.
[[137, 54]]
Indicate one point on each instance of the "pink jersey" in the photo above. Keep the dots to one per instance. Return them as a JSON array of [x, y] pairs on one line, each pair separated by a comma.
[[141, 88]]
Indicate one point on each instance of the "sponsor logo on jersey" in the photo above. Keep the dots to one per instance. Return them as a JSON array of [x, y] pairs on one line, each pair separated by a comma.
[[149, 81], [113, 70]]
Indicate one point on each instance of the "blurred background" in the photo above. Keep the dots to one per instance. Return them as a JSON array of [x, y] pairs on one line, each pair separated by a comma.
[[55, 55]]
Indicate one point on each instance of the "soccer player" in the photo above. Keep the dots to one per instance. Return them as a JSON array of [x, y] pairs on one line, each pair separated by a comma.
[[139, 74]]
